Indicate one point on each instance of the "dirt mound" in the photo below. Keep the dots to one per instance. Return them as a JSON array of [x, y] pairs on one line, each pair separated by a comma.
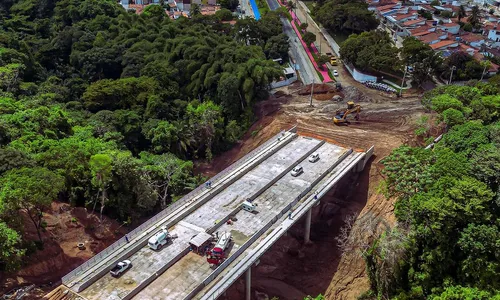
[[319, 88], [351, 93]]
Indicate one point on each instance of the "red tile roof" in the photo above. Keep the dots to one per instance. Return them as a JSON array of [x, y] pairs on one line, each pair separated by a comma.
[[424, 29], [413, 22], [465, 48], [493, 68], [442, 44], [403, 16], [452, 24], [470, 38], [385, 7], [433, 36]]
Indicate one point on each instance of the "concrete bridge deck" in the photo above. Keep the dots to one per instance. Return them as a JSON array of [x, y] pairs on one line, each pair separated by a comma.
[[176, 273]]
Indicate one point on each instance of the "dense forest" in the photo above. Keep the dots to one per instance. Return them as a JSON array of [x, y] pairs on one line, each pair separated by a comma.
[[104, 108], [447, 239]]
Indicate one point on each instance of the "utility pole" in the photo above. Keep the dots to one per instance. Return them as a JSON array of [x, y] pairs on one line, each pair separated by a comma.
[[403, 83], [484, 71], [453, 68], [312, 91]]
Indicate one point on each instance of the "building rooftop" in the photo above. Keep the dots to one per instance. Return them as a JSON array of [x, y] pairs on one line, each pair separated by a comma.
[[451, 24], [403, 16], [385, 7], [413, 22], [424, 29], [432, 36], [471, 37], [442, 44]]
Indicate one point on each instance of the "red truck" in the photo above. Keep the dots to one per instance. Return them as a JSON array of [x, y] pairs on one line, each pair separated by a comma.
[[217, 255]]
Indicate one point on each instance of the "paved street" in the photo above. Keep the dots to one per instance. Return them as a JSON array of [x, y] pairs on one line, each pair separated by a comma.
[[245, 5], [305, 67]]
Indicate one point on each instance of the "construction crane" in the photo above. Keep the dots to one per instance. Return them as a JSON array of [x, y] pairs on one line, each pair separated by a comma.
[[341, 114]]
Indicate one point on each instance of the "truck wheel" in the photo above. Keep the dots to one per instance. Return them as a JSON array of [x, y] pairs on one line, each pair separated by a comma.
[[160, 246]]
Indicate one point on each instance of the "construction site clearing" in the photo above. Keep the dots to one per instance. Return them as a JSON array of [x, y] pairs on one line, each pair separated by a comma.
[[269, 186]]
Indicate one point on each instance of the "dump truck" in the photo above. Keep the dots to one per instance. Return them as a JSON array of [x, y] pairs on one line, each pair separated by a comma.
[[120, 268]]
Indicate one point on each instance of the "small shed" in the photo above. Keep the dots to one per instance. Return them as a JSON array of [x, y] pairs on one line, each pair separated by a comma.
[[201, 241]]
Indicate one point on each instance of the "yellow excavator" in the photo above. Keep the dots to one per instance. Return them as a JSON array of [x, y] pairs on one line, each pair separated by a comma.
[[341, 114]]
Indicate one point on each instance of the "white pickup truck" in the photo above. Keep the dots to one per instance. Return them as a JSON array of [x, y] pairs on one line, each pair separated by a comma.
[[120, 268]]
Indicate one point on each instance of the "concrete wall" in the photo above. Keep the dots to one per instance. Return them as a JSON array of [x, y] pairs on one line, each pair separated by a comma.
[[358, 76]]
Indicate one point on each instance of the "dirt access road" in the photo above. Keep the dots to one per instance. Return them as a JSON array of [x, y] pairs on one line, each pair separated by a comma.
[[292, 270]]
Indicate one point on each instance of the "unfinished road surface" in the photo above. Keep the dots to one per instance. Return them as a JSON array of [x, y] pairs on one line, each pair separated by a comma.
[[184, 274]]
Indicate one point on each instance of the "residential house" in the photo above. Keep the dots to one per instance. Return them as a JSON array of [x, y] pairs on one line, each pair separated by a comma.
[[451, 27], [414, 23], [386, 10], [401, 18], [433, 37], [473, 40], [444, 45], [467, 49], [493, 32]]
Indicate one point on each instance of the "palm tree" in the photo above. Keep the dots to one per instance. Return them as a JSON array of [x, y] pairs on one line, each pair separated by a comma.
[[461, 12], [474, 17]]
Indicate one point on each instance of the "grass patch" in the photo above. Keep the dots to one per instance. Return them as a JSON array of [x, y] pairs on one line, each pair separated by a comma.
[[263, 7], [320, 75], [331, 75]]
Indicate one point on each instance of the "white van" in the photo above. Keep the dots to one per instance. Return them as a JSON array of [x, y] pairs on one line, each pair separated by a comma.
[[248, 206], [159, 239]]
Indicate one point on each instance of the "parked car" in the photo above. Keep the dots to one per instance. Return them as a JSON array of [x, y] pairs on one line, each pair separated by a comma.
[[335, 73], [120, 268], [297, 171], [159, 239], [314, 157]]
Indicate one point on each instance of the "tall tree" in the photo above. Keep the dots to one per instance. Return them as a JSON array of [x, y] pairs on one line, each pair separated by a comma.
[[309, 38], [30, 190], [101, 167], [474, 17], [461, 13]]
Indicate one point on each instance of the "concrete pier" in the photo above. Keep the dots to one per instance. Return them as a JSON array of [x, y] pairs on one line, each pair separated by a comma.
[[307, 233]]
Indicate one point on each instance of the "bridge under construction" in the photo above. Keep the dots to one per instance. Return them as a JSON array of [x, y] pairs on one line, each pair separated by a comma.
[[263, 178]]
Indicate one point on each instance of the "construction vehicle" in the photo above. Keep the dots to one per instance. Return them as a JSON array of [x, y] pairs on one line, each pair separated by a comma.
[[217, 255], [160, 238], [342, 114]]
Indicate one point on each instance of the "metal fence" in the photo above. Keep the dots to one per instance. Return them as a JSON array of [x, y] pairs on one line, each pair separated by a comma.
[[184, 200]]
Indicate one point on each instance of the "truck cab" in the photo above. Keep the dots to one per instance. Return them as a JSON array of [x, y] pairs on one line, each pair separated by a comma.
[[160, 238], [222, 243]]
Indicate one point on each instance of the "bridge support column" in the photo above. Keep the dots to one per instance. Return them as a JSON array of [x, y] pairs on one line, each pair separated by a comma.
[[248, 284], [307, 233]]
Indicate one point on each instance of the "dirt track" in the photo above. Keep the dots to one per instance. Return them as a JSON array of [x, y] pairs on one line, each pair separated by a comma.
[[291, 270]]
